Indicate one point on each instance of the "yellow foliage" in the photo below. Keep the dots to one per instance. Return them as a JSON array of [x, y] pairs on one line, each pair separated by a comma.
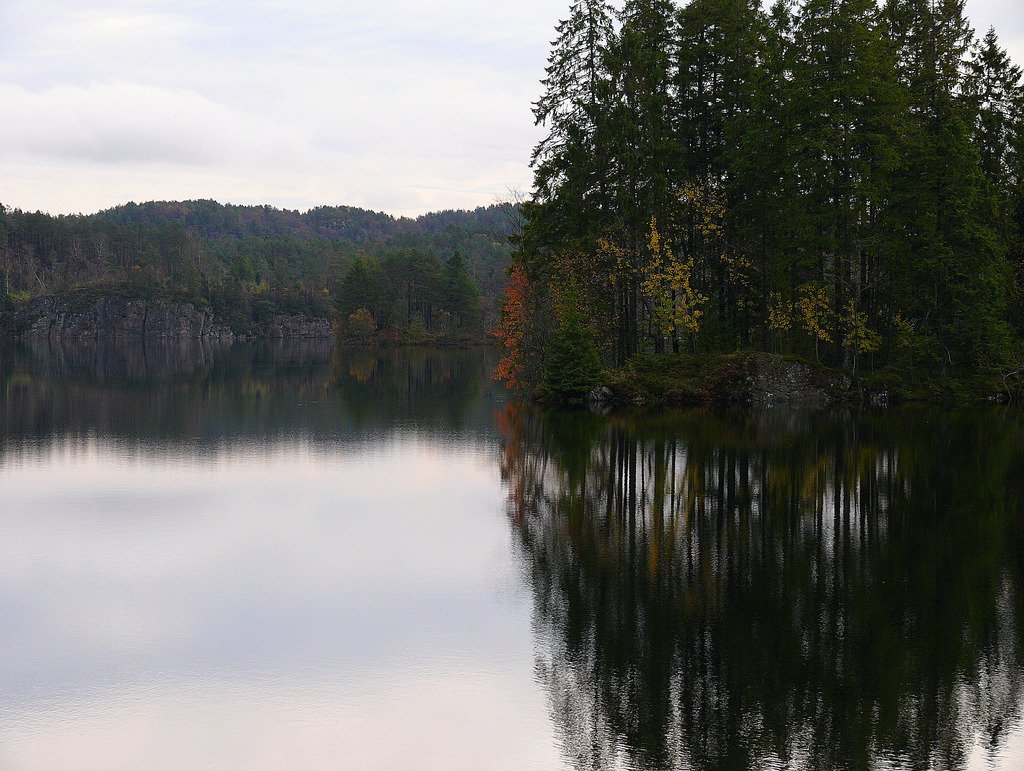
[[675, 304], [905, 331], [859, 336], [611, 254], [780, 314], [815, 306], [707, 202]]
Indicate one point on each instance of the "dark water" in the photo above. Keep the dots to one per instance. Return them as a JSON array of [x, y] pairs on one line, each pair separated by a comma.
[[291, 557]]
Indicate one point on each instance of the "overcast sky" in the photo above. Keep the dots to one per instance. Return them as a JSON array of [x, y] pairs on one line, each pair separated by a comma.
[[398, 105]]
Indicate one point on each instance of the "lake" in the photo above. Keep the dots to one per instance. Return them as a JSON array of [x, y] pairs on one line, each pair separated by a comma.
[[292, 556]]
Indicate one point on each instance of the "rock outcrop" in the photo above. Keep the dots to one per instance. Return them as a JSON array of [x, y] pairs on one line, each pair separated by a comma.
[[115, 319], [775, 380], [293, 328]]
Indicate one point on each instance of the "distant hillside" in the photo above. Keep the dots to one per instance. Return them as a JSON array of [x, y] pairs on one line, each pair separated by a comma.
[[437, 272], [214, 220]]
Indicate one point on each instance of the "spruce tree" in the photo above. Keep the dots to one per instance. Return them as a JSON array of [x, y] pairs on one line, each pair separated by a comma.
[[641, 148], [569, 164], [572, 365], [768, 215], [996, 95], [357, 289], [849, 112], [948, 269], [716, 53], [459, 293], [6, 304]]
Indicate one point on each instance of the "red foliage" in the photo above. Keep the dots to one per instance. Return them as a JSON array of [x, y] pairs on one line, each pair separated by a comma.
[[512, 328]]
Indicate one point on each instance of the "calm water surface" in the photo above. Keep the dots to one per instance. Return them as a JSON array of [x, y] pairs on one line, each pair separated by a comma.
[[292, 557]]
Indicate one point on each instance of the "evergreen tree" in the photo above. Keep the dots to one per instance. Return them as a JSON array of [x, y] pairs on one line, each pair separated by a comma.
[[642, 149], [357, 289], [849, 114], [569, 163], [716, 57], [459, 294], [572, 365], [6, 304], [768, 217], [828, 175], [948, 271], [996, 97]]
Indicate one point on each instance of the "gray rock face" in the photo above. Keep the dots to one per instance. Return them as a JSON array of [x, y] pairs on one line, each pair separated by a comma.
[[117, 319], [293, 327], [600, 400], [775, 380], [114, 318]]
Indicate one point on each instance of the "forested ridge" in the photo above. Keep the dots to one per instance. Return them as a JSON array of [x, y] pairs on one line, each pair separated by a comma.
[[441, 272], [835, 179]]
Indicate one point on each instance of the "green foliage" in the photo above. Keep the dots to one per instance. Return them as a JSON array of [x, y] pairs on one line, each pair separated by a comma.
[[875, 153], [6, 303], [360, 327], [253, 263], [572, 366], [460, 297]]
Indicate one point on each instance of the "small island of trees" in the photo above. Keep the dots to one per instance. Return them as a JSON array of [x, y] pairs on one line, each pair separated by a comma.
[[838, 180]]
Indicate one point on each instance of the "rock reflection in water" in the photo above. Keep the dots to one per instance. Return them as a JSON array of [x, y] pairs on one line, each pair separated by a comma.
[[784, 590], [118, 360], [177, 395]]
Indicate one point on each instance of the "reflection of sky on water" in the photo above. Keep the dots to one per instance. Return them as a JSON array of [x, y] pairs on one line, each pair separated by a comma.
[[291, 604], [264, 560]]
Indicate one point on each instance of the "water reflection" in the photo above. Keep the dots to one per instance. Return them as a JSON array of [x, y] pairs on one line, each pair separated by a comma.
[[269, 560], [196, 396], [276, 555], [781, 590]]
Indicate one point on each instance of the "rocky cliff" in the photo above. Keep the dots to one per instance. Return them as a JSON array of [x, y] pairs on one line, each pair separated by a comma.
[[113, 318], [107, 318], [292, 328]]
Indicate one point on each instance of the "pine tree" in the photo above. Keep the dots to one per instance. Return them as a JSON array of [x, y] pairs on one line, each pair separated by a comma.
[[459, 293], [572, 366], [569, 165], [849, 113], [948, 271]]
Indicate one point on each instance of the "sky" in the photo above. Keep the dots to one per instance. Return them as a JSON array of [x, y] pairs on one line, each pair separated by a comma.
[[392, 105]]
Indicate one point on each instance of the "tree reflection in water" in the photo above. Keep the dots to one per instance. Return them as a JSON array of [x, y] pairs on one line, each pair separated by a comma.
[[193, 396], [817, 591]]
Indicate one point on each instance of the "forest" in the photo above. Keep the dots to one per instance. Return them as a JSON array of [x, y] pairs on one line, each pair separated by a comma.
[[438, 274], [837, 180]]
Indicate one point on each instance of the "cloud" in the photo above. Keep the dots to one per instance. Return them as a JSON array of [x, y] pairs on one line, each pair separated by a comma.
[[398, 106], [124, 124], [388, 106]]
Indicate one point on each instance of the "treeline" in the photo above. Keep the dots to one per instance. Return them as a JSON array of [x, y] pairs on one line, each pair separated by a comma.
[[832, 178], [214, 220], [442, 272]]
